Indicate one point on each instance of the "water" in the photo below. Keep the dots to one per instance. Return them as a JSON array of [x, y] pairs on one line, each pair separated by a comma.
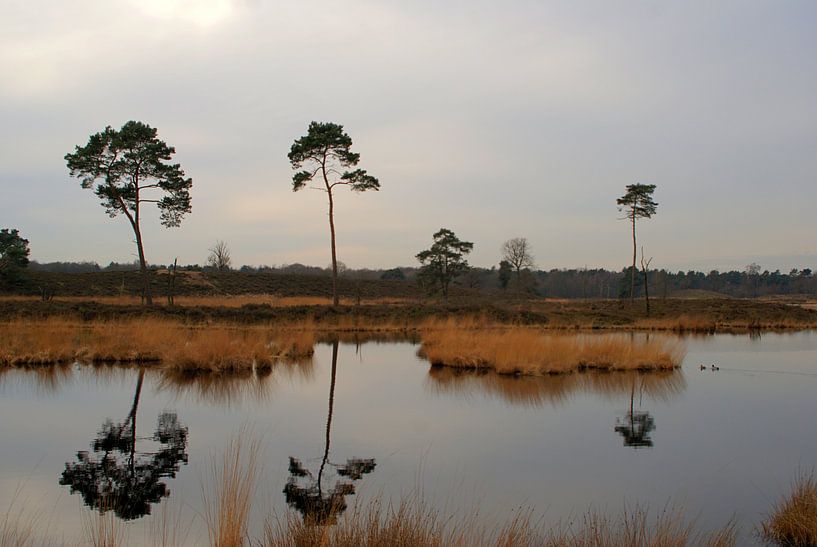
[[720, 444]]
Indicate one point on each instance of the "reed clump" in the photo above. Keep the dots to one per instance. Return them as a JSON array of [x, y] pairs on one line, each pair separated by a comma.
[[175, 345], [532, 352], [794, 520], [227, 504]]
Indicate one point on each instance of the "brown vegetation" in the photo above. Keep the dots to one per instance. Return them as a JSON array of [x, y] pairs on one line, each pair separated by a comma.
[[532, 352], [227, 508], [214, 348], [412, 524], [713, 315], [794, 520]]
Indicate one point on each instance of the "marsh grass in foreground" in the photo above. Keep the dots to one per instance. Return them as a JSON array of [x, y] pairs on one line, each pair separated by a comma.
[[227, 504], [532, 352], [412, 523], [794, 520]]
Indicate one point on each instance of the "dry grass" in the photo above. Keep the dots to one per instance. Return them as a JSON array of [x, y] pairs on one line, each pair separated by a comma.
[[637, 528], [227, 508], [213, 348], [413, 524], [794, 520], [528, 351], [103, 529], [19, 528], [167, 528]]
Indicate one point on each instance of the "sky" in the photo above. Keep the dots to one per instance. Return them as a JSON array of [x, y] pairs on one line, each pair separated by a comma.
[[496, 120]]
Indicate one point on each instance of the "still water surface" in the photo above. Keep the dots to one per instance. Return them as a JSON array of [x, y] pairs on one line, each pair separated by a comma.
[[718, 443]]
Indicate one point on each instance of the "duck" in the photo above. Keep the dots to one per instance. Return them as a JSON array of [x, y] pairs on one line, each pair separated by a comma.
[[715, 367], [703, 367]]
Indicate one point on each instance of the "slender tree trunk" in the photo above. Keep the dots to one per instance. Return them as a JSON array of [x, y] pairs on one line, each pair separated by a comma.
[[335, 300], [331, 406], [632, 276], [143, 267]]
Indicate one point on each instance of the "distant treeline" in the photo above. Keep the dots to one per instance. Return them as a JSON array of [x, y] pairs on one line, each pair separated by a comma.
[[556, 283]]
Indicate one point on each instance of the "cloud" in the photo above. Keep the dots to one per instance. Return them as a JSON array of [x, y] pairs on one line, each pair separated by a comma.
[[494, 120]]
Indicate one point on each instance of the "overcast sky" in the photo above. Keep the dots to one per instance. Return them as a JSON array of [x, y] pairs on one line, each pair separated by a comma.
[[493, 119]]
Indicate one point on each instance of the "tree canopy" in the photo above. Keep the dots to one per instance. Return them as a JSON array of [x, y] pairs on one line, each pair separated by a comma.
[[14, 253], [124, 164], [637, 201], [444, 261]]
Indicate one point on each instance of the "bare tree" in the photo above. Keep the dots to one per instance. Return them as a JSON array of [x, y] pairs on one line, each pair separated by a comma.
[[219, 256], [645, 268], [517, 252]]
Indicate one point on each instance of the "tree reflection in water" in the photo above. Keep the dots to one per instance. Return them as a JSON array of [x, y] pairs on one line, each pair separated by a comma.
[[636, 425], [116, 476], [305, 491]]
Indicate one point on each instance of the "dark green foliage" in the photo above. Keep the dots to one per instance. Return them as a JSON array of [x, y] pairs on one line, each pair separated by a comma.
[[443, 262], [325, 146], [395, 274], [13, 256], [637, 202], [505, 272], [127, 162], [325, 152], [126, 168]]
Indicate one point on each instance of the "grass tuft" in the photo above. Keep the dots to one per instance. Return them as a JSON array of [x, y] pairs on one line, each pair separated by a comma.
[[794, 520], [228, 499]]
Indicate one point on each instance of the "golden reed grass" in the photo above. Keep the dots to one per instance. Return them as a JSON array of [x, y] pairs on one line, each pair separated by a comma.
[[794, 520], [228, 499], [529, 351], [214, 347], [103, 529]]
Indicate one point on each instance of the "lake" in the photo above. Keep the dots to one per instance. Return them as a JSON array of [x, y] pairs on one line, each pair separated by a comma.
[[719, 444]]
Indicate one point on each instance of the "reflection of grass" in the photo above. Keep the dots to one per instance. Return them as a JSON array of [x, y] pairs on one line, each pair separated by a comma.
[[527, 351], [554, 389], [794, 520]]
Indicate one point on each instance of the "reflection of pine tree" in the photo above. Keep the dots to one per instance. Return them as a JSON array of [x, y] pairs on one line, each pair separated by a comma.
[[118, 477], [635, 426], [316, 505]]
